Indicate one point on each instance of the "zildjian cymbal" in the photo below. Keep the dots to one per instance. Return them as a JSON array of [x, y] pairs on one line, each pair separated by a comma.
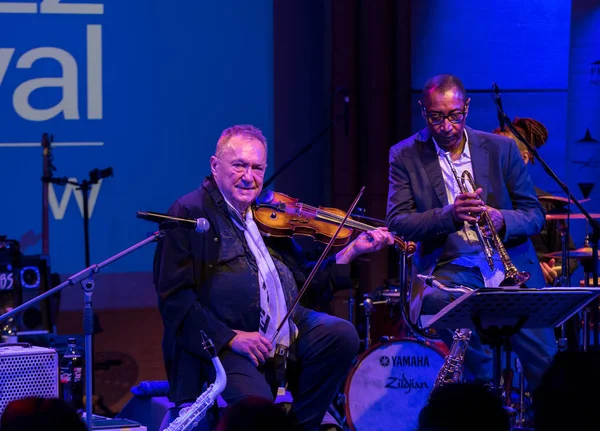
[[580, 253], [575, 216], [560, 199]]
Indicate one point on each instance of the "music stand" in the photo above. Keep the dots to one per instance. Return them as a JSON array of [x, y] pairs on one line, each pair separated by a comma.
[[497, 313]]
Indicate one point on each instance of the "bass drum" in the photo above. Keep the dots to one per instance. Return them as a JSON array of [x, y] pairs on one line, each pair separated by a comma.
[[390, 384]]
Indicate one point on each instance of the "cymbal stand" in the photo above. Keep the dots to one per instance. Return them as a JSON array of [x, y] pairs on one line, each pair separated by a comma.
[[564, 280], [521, 409], [368, 306], [588, 270], [351, 306], [508, 373]]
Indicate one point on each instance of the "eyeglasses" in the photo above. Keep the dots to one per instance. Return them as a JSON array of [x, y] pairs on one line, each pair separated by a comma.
[[454, 117]]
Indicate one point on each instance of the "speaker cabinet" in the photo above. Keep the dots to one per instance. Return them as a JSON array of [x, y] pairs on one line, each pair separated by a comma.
[[27, 372], [23, 278]]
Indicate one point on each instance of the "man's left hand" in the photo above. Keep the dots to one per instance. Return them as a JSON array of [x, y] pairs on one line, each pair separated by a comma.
[[497, 219], [366, 242]]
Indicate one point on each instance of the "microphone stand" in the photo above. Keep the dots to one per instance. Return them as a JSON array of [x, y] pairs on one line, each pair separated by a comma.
[[88, 313], [595, 226], [47, 169], [85, 187]]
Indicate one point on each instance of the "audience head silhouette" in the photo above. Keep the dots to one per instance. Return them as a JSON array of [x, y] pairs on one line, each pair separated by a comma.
[[43, 414], [464, 407], [563, 400], [254, 414]]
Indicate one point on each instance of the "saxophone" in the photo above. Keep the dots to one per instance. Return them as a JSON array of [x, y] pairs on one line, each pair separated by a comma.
[[190, 416], [452, 369]]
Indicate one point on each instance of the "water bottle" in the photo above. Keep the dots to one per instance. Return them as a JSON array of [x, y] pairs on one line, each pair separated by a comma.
[[9, 329], [71, 376]]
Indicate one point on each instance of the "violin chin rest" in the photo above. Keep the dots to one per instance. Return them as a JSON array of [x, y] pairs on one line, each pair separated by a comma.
[[265, 197]]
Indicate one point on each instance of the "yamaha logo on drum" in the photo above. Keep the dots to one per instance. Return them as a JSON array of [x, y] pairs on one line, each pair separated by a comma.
[[405, 361]]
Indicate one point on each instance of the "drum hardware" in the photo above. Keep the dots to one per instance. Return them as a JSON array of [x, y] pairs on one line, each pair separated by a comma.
[[585, 256], [390, 384], [390, 293], [368, 307], [564, 279], [588, 274], [521, 407], [351, 302], [508, 373], [586, 330]]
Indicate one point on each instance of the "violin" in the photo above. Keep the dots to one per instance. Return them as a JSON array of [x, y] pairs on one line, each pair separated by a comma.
[[279, 215]]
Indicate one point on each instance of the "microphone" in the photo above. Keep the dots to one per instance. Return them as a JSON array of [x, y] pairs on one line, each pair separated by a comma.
[[431, 281], [500, 109], [199, 225]]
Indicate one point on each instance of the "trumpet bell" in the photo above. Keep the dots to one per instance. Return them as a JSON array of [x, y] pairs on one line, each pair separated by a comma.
[[518, 279]]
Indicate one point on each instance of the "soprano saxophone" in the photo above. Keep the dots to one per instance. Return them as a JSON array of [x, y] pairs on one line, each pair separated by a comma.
[[190, 416]]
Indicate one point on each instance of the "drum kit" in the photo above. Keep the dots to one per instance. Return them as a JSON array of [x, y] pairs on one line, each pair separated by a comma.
[[392, 378]]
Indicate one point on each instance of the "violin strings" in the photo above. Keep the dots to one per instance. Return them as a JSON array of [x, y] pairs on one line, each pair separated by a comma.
[[334, 218]]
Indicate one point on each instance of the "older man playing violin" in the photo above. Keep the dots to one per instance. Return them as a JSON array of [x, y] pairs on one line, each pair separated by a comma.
[[236, 286]]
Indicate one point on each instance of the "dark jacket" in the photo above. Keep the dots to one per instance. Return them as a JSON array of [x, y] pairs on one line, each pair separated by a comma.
[[191, 269], [418, 210]]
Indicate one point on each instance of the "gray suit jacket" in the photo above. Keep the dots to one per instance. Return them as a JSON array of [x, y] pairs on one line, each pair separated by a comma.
[[418, 209]]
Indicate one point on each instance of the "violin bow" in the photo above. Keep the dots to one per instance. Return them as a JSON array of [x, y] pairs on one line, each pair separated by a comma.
[[316, 267]]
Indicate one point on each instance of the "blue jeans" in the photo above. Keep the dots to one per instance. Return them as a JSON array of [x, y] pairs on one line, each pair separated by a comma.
[[534, 347]]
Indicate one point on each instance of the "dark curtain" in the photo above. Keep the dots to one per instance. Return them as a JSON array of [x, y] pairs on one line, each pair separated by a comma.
[[364, 47]]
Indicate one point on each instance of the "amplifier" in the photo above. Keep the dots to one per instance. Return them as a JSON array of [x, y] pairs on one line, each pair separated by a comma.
[[27, 371]]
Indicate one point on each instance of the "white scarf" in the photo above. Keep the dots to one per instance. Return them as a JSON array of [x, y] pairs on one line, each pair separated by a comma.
[[273, 307]]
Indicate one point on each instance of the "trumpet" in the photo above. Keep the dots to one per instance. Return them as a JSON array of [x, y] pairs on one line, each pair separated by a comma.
[[488, 250], [512, 276]]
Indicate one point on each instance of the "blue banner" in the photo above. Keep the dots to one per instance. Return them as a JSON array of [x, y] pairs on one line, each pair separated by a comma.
[[142, 87]]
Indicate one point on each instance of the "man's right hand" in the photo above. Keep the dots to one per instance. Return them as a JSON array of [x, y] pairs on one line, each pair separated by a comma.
[[467, 206], [550, 274], [252, 345]]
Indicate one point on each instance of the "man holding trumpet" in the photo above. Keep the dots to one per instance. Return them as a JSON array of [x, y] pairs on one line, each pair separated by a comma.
[[432, 202]]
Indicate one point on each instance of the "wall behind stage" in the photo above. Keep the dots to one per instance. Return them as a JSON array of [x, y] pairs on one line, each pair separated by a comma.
[[142, 87], [583, 138], [521, 46], [541, 55]]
